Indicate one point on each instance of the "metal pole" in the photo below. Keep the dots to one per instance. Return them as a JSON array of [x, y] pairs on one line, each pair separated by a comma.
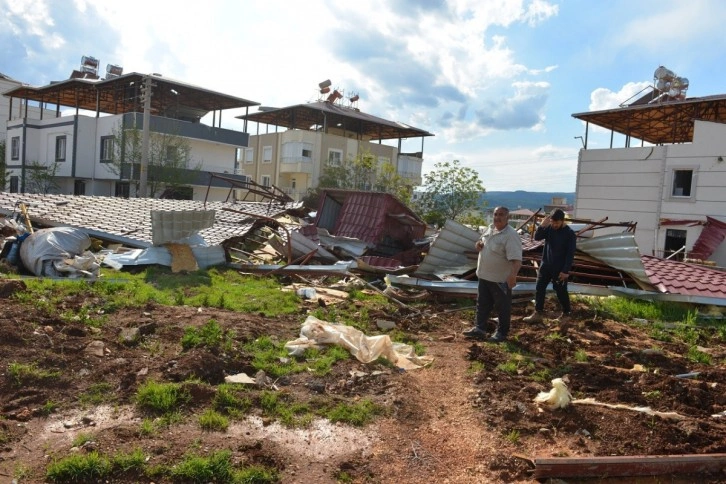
[[143, 171]]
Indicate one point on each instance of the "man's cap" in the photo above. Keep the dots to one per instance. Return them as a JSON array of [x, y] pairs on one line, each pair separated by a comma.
[[558, 214]]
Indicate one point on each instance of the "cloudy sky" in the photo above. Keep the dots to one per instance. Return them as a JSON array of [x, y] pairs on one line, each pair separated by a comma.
[[496, 81]]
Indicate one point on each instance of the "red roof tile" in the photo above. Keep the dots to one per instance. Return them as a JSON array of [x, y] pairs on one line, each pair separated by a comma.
[[683, 278]]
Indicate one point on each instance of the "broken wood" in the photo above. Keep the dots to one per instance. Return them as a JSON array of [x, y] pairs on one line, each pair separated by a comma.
[[638, 465]]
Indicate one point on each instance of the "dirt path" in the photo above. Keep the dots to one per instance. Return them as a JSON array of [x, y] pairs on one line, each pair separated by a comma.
[[446, 439]]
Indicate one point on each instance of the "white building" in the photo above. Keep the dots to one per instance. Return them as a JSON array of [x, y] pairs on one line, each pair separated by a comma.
[[672, 185], [78, 138]]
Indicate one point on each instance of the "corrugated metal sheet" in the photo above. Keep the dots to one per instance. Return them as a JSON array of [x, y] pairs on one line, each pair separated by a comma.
[[619, 251], [710, 238], [452, 252]]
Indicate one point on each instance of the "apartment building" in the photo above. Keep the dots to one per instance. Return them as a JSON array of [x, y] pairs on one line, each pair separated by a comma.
[[78, 122]]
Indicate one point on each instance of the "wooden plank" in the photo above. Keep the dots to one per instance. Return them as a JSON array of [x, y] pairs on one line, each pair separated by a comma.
[[616, 466]]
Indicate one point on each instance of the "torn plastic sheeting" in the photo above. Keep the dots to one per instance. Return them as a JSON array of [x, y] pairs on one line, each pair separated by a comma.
[[316, 333], [52, 244]]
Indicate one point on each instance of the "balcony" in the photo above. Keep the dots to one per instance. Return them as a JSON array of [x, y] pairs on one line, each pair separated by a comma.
[[185, 129], [296, 164]]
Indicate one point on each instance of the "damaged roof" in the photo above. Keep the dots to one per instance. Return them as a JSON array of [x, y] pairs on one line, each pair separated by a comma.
[[683, 278], [323, 114], [128, 220], [660, 123], [122, 94]]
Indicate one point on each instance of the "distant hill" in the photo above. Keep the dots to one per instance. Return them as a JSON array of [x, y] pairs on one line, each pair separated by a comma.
[[522, 199]]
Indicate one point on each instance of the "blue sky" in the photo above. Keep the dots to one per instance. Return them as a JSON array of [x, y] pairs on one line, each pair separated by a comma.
[[497, 82]]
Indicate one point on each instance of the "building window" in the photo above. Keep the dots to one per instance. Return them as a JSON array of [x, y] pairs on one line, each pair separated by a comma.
[[79, 187], [249, 156], [14, 184], [267, 154], [123, 189], [107, 149], [60, 148], [335, 158], [15, 148], [265, 181], [682, 182], [675, 240]]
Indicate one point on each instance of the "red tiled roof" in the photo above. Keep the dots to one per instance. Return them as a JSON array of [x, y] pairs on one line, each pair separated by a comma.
[[711, 237], [683, 278]]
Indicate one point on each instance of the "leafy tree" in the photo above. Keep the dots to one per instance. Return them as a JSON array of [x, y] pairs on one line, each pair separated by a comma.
[[361, 173], [451, 192], [42, 178], [169, 169]]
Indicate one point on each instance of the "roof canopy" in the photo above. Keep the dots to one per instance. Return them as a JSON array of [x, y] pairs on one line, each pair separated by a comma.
[[660, 123], [323, 115], [122, 94]]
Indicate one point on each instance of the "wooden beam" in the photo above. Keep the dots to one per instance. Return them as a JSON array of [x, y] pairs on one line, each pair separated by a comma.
[[638, 465]]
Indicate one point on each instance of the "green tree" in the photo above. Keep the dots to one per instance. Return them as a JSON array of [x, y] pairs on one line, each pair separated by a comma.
[[451, 192], [361, 173], [170, 167], [42, 178]]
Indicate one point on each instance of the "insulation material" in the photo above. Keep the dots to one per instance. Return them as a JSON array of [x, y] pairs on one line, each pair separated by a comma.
[[45, 246], [316, 333], [175, 225]]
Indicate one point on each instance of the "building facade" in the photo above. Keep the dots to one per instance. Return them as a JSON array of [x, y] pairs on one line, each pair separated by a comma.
[[670, 190]]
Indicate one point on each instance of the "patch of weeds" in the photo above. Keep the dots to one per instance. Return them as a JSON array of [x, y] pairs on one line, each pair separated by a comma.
[[357, 414], [147, 427], [321, 361], [97, 394], [342, 476], [227, 400], [658, 332], [555, 336], [21, 471], [475, 367], [688, 332], [152, 346], [288, 412], [543, 375], [81, 439], [90, 467], [213, 421], [256, 475], [509, 366], [195, 468], [513, 436], [132, 461], [210, 335], [581, 356], [161, 398], [625, 309], [4, 437], [48, 407], [652, 395], [698, 356], [23, 374], [272, 358]]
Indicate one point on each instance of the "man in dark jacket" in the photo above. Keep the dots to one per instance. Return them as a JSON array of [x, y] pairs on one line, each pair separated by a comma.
[[557, 256]]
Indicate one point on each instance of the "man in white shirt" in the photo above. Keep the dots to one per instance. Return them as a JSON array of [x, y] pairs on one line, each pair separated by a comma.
[[500, 257]]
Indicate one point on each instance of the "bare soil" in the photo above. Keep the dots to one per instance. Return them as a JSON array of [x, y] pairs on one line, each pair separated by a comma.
[[462, 419]]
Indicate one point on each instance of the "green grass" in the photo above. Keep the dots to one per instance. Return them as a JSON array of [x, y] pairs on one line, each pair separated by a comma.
[[581, 356], [215, 468], [210, 335], [129, 462], [24, 374], [217, 287], [697, 356], [97, 394], [213, 421], [91, 467], [273, 358], [81, 439], [230, 399], [513, 436], [357, 414], [510, 366], [48, 407], [284, 408], [161, 398], [626, 309]]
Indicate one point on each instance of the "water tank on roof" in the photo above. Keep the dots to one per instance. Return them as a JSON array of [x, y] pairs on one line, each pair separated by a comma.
[[663, 73]]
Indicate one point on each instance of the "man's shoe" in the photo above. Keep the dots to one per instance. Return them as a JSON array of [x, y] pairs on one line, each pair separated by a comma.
[[535, 317], [496, 338], [474, 333], [564, 318]]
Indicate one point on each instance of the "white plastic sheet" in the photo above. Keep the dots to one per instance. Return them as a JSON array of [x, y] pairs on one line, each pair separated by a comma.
[[316, 333], [46, 252]]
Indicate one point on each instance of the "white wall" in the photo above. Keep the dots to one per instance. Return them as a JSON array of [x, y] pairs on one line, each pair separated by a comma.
[[635, 185]]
